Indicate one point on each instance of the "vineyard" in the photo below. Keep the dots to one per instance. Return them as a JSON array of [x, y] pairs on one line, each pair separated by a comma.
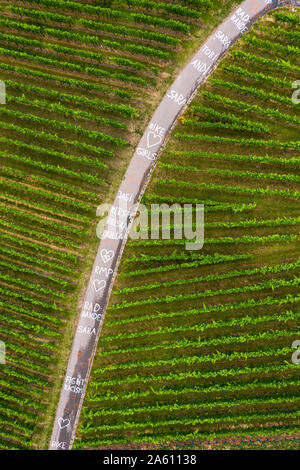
[[196, 346], [81, 80]]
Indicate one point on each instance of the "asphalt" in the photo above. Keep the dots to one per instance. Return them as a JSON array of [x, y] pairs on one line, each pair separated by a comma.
[[130, 191]]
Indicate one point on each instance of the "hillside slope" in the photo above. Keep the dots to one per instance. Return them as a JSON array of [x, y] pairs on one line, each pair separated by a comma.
[[82, 79], [197, 345]]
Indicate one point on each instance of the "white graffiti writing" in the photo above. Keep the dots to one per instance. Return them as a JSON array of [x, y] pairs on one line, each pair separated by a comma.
[[199, 65], [99, 285], [240, 19], [209, 52], [222, 38], [86, 330], [178, 98]]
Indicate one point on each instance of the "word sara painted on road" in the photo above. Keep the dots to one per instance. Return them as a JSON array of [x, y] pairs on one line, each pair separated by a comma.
[[177, 97], [86, 330], [223, 38]]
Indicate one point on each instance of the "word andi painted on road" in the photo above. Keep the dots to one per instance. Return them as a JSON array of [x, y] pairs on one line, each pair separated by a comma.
[[223, 38], [296, 354]]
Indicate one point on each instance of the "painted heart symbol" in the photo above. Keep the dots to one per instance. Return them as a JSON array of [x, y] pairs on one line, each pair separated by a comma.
[[63, 422], [153, 139], [106, 255], [99, 285]]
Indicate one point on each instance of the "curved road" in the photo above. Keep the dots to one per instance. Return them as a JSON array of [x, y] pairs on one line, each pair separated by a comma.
[[131, 189]]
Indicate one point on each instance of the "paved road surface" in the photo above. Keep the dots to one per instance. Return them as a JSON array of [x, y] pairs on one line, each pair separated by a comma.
[[110, 250]]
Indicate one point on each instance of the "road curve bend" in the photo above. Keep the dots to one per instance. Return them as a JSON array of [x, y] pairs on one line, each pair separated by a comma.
[[121, 215]]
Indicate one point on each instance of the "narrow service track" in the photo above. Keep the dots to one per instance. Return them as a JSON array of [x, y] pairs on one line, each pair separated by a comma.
[[131, 189]]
